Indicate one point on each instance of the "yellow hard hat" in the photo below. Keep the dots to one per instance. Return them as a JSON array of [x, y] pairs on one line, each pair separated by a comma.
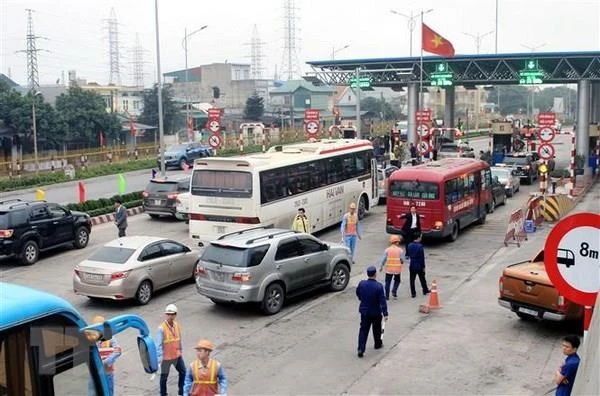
[[98, 319], [204, 344], [395, 238]]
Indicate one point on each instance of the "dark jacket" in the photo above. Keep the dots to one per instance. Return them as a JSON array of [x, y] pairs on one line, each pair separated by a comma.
[[416, 254], [121, 217], [408, 222], [372, 298]]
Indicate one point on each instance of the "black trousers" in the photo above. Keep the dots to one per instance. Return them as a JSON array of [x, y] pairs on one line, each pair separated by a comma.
[[410, 235], [164, 375], [366, 321], [413, 276]]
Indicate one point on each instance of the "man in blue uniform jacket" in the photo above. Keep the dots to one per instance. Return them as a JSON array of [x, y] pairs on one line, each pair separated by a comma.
[[372, 307]]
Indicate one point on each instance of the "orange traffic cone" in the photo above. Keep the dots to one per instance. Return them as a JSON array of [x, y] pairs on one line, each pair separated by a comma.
[[434, 299]]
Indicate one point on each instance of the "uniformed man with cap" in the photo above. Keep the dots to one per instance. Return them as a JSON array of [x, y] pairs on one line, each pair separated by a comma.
[[109, 352], [372, 307], [168, 349], [205, 376]]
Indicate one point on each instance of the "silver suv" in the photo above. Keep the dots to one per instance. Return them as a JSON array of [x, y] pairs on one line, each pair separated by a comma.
[[268, 265]]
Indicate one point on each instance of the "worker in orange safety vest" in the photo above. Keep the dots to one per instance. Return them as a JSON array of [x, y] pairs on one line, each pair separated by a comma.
[[392, 261], [351, 229], [205, 376], [168, 349], [109, 352]]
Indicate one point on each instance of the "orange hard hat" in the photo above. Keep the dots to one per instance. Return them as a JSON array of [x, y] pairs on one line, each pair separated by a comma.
[[395, 238], [98, 319], [204, 344]]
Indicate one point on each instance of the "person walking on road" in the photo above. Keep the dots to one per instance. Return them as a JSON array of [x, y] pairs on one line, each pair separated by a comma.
[[120, 217], [168, 348], [301, 222], [416, 254], [412, 225], [392, 261], [205, 376], [564, 377], [351, 229], [109, 353], [372, 308]]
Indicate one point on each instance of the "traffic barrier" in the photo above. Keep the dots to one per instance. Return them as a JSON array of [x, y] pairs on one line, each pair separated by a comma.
[[108, 218], [515, 233], [434, 299], [556, 206], [534, 210]]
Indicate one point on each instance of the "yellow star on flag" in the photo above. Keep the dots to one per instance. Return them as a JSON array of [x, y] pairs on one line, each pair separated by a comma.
[[437, 41]]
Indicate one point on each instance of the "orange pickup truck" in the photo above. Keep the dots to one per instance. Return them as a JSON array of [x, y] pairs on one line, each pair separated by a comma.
[[526, 290]]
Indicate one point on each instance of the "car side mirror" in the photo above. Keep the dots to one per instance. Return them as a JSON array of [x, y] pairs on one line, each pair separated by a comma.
[[324, 247]]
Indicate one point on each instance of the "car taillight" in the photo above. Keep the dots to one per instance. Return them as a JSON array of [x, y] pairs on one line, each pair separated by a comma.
[[501, 284], [145, 194], [247, 220], [172, 196], [200, 271], [6, 233], [118, 275], [241, 277]]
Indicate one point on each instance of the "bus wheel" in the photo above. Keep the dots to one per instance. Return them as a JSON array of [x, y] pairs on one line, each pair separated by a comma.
[[454, 233], [483, 215], [362, 207]]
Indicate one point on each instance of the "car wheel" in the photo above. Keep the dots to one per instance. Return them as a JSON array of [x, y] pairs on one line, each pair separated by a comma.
[[362, 207], [492, 206], [182, 163], [454, 234], [143, 295], [82, 237], [339, 277], [30, 252], [153, 216], [273, 299]]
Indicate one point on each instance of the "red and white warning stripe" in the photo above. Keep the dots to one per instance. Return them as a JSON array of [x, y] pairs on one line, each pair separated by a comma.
[[572, 163]]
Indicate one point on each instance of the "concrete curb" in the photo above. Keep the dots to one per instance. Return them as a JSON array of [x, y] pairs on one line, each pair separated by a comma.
[[110, 217]]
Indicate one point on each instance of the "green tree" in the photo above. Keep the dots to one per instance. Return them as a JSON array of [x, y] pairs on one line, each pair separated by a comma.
[[83, 114], [513, 99], [150, 114], [385, 110], [255, 107], [544, 100]]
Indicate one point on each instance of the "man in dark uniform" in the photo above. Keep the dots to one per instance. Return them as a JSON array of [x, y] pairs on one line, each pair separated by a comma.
[[372, 307]]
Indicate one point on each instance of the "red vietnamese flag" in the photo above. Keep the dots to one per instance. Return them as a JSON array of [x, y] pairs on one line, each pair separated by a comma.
[[434, 43]]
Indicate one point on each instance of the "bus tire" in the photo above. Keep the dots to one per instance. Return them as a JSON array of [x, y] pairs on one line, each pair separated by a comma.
[[273, 299], [454, 233], [362, 207]]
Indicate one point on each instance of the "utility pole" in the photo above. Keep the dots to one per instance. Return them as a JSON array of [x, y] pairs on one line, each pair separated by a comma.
[[161, 126], [478, 38], [31, 52], [358, 120]]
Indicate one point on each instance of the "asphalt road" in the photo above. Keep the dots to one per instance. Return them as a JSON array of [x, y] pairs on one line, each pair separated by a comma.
[[470, 346]]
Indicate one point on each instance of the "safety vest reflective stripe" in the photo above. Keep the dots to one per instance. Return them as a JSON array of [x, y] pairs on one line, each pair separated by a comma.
[[393, 263], [351, 224]]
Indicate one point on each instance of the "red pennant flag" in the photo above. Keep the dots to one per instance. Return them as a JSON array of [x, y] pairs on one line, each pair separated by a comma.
[[434, 43], [81, 192]]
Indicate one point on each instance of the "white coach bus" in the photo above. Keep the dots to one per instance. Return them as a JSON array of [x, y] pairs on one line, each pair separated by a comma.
[[230, 194]]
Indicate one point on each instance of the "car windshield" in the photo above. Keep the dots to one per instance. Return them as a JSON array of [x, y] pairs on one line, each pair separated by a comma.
[[515, 160], [112, 254], [501, 174], [234, 256], [157, 187], [414, 190]]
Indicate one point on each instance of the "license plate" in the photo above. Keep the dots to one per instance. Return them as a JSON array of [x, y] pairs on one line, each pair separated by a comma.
[[218, 276], [157, 202], [93, 277], [528, 311]]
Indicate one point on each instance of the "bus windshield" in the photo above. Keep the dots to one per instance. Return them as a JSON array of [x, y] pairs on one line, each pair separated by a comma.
[[217, 183], [414, 190]]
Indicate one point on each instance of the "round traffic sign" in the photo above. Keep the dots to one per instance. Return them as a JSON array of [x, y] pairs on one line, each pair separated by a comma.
[[571, 257], [423, 130], [424, 147], [546, 151], [312, 128], [214, 126], [214, 141], [546, 134]]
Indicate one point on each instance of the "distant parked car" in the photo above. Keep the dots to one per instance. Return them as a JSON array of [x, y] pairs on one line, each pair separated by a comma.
[[180, 155], [508, 177], [134, 267], [524, 165], [455, 150], [269, 265], [160, 196], [383, 175]]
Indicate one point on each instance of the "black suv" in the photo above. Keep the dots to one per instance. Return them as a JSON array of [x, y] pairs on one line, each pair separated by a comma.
[[524, 166], [27, 228], [160, 196]]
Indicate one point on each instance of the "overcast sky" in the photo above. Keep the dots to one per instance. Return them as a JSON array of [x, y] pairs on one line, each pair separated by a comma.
[[75, 34]]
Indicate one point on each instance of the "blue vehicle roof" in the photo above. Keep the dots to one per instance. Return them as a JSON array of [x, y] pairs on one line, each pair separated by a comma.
[[21, 304]]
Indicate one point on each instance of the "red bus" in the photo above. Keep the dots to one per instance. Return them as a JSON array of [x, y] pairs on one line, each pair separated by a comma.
[[449, 195]]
